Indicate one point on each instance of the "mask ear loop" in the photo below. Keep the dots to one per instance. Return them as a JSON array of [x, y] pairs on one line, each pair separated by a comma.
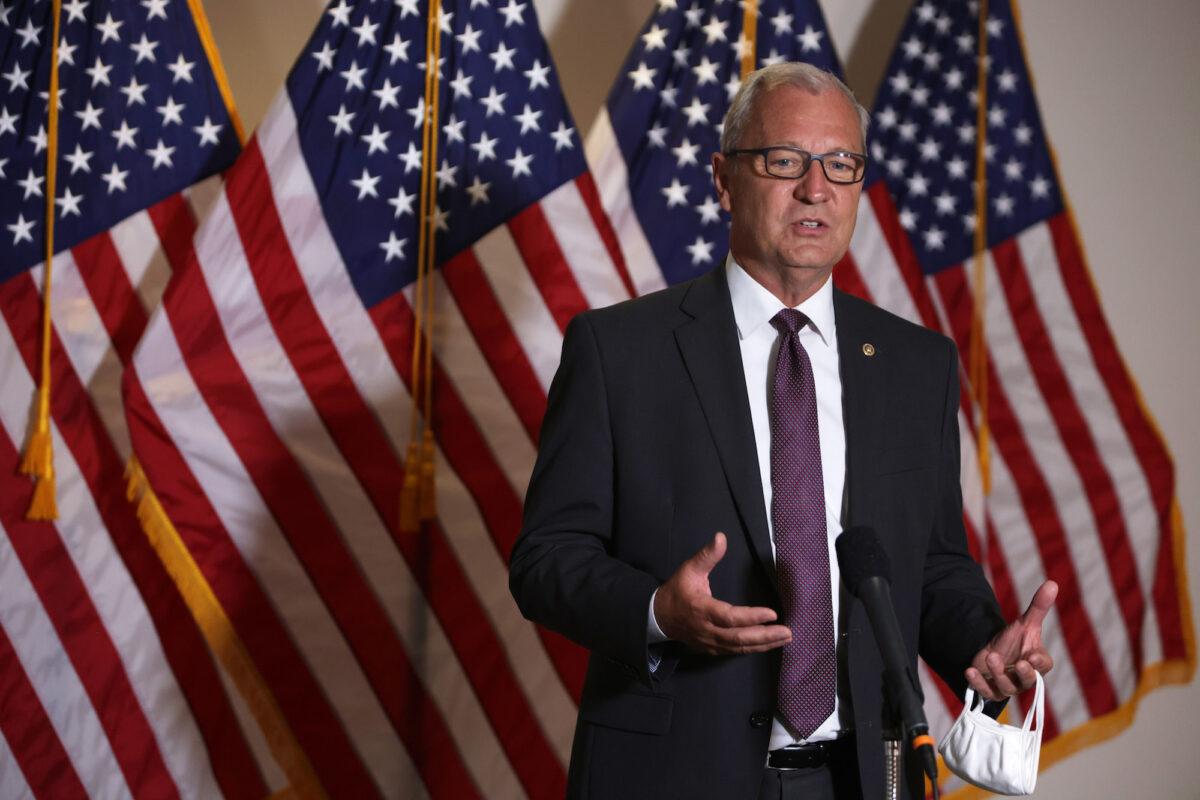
[[1038, 709]]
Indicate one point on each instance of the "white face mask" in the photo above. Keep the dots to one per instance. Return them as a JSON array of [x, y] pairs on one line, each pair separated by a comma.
[[994, 756]]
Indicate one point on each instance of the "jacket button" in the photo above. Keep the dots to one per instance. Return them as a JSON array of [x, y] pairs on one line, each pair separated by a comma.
[[760, 719]]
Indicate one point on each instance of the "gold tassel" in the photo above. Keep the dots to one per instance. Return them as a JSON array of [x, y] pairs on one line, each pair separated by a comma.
[[428, 490], [43, 507], [409, 494]]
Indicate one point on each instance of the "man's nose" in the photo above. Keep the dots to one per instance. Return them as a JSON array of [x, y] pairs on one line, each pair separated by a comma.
[[813, 186]]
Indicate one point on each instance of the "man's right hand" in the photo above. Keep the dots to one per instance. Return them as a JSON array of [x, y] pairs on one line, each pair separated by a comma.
[[687, 612]]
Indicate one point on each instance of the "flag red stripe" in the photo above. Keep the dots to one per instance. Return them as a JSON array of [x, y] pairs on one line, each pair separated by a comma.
[[30, 735], [112, 294], [59, 586], [586, 185], [910, 268], [848, 278], [1039, 508], [175, 225], [467, 455], [496, 339], [1151, 454], [201, 339], [358, 435], [1077, 440], [547, 265]]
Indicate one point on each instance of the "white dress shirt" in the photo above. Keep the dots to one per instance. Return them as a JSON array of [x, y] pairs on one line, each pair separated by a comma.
[[753, 308]]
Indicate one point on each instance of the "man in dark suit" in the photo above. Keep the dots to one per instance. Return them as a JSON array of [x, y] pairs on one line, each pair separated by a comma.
[[703, 447]]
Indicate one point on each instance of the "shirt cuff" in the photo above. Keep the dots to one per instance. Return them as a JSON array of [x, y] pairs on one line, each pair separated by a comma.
[[654, 637]]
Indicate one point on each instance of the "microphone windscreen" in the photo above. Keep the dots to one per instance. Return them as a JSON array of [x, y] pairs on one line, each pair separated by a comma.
[[861, 556]]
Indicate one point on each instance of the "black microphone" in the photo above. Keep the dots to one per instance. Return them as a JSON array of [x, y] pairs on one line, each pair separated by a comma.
[[867, 575]]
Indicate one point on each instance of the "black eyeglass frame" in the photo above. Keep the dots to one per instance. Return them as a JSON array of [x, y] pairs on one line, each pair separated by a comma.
[[807, 158]]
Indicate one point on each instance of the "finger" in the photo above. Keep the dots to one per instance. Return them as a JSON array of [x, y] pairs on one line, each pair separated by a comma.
[[1040, 660], [999, 676], [708, 556], [982, 688], [727, 615], [752, 638], [1026, 675], [1040, 605]]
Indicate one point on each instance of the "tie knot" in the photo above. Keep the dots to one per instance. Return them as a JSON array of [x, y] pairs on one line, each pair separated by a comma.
[[789, 320]]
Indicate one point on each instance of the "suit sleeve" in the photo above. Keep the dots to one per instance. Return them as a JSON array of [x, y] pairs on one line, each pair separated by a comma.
[[561, 572], [959, 612]]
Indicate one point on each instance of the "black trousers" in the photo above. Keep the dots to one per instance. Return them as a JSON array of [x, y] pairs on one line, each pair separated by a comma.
[[833, 782]]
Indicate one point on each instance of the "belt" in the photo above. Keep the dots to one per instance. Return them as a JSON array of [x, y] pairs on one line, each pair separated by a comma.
[[813, 754]]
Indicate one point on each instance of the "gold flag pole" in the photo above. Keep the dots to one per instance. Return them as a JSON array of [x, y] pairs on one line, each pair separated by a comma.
[[978, 355]]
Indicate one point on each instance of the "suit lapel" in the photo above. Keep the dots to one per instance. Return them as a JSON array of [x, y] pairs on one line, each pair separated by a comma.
[[860, 362], [709, 346]]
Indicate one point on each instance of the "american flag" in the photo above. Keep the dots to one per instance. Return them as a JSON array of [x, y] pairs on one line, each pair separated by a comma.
[[1082, 488], [269, 399], [108, 687]]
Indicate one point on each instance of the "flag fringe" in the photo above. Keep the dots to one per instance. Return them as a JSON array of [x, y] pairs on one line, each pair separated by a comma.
[[222, 639]]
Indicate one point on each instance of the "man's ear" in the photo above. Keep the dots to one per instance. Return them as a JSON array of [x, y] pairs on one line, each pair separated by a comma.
[[722, 166]]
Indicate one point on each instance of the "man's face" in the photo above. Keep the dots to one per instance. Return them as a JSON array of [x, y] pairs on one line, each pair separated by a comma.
[[799, 224]]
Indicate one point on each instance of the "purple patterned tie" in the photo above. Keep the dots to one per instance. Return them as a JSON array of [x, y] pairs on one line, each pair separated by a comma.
[[808, 678]]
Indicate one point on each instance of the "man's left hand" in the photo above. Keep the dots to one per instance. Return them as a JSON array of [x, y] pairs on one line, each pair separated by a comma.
[[1007, 665]]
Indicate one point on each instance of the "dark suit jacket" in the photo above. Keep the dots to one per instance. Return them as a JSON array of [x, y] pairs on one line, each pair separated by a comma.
[[647, 449]]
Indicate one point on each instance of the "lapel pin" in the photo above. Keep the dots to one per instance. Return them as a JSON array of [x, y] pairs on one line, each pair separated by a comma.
[[868, 349]]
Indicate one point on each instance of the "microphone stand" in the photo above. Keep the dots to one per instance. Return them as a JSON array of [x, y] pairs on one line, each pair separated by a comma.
[[892, 740]]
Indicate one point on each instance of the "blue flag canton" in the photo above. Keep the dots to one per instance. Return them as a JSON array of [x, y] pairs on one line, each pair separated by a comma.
[[505, 135], [924, 137], [140, 117], [668, 104]]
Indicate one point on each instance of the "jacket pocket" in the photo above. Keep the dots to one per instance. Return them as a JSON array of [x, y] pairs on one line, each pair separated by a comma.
[[629, 711]]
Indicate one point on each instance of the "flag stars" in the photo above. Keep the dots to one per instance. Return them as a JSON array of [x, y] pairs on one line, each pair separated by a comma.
[[366, 184], [1004, 205], [782, 22], [912, 47], [887, 118], [1023, 134], [17, 76], [39, 140], [155, 9], [657, 135], [920, 95], [68, 204], [208, 131], [995, 26], [895, 167], [907, 130], [99, 73], [945, 203], [1013, 169], [642, 77], [685, 153], [996, 116], [696, 112], [676, 193], [493, 103], [1039, 187], [930, 149], [966, 43], [700, 251], [125, 135], [932, 59], [461, 84], [353, 76], [528, 119], [340, 14], [709, 210], [171, 112], [562, 137], [705, 71], [29, 34], [966, 133], [680, 56], [181, 69], [324, 57], [1007, 81], [376, 140], [365, 31], [926, 12], [408, 8], [135, 93], [161, 154], [732, 85], [469, 39], [512, 13], [908, 219], [714, 31], [32, 184], [445, 176], [392, 248], [66, 52], [397, 50], [75, 9], [478, 190], [900, 82], [537, 75], [8, 121], [485, 148], [668, 96], [402, 202], [115, 178], [438, 218], [918, 185], [109, 29], [453, 129], [953, 79], [341, 120], [21, 230], [144, 49], [655, 38], [387, 94], [411, 158], [519, 163], [941, 114], [957, 167], [502, 57], [79, 159], [693, 15], [810, 40], [935, 238]]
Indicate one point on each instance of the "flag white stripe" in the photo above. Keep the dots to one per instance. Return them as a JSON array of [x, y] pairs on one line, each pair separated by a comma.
[[612, 184], [878, 268], [136, 242], [201, 443], [1041, 434], [12, 780], [364, 355], [272, 773], [523, 304], [582, 247]]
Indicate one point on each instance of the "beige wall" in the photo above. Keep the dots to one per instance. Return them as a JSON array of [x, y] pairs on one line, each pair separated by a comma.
[[1117, 83]]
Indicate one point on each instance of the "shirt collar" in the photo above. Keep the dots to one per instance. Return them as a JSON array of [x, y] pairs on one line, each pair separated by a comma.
[[755, 306]]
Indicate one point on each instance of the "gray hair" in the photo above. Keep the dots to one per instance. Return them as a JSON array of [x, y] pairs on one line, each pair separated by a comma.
[[791, 73]]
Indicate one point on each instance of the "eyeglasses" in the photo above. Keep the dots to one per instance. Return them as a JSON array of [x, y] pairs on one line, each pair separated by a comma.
[[792, 162]]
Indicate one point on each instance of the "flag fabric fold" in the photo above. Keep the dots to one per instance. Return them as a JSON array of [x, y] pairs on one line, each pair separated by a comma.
[[109, 688], [269, 400]]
